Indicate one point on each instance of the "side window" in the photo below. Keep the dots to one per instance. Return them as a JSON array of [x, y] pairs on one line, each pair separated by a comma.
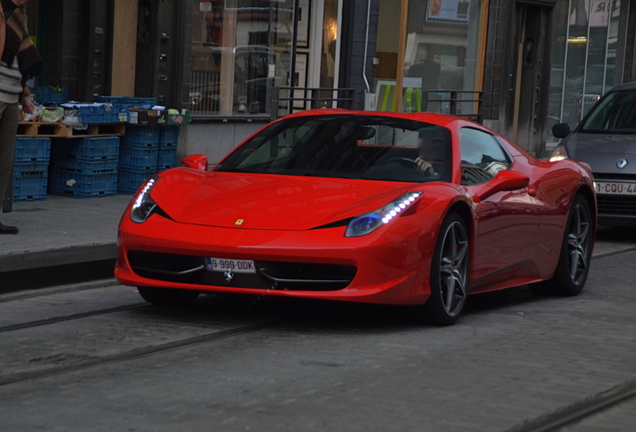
[[482, 156]]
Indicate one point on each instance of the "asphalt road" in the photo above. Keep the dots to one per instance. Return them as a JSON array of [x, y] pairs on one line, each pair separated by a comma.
[[94, 357]]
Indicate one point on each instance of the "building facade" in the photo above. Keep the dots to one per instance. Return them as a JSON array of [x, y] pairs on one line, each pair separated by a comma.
[[517, 66]]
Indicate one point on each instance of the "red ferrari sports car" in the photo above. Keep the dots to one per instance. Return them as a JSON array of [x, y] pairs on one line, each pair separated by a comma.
[[405, 209]]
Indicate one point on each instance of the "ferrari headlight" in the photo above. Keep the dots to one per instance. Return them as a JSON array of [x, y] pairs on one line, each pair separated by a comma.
[[144, 205], [559, 153], [369, 222]]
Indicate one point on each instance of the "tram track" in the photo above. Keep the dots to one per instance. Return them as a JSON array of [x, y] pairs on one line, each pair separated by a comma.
[[26, 294], [580, 410], [588, 407], [156, 346], [59, 319], [134, 353], [556, 420]]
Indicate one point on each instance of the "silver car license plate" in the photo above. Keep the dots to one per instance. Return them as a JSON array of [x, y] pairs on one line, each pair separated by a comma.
[[234, 265], [615, 188]]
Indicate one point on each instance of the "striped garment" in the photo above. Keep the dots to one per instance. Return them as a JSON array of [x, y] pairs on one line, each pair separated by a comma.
[[16, 48], [10, 83]]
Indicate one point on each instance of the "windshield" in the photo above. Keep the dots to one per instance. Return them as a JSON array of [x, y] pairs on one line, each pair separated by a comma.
[[347, 146], [616, 113]]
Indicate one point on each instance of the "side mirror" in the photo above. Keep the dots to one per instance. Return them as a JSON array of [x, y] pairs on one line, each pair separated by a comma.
[[561, 130], [506, 180], [198, 162]]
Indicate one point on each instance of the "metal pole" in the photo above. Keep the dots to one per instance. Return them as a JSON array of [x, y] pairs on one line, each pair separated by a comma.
[[399, 81], [292, 66]]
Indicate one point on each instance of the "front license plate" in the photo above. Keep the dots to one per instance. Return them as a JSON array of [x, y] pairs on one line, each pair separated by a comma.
[[615, 188], [236, 266]]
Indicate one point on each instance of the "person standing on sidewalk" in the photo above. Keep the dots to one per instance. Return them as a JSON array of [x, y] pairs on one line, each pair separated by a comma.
[[20, 62]]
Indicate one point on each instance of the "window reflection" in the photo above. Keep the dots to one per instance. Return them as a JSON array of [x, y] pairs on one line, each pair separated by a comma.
[[585, 43], [240, 52], [440, 55]]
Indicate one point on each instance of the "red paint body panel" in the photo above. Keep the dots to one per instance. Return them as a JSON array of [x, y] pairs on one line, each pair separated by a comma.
[[515, 235]]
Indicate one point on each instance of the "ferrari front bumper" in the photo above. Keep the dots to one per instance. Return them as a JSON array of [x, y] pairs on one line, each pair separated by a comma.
[[390, 269]]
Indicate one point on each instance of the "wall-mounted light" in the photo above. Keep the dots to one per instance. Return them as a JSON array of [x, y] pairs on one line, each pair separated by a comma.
[[577, 39], [332, 29]]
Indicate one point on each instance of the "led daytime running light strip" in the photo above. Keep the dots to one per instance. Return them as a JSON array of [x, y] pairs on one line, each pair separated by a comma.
[[400, 206], [142, 195]]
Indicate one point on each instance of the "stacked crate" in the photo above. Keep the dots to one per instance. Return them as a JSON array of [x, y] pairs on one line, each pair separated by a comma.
[[117, 107], [30, 168], [48, 95], [85, 168], [168, 142], [138, 157]]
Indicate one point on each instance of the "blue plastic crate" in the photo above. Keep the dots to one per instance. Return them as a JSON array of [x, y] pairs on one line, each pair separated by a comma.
[[75, 166], [168, 145], [83, 185], [142, 103], [32, 149], [129, 181], [128, 101], [138, 159], [141, 136], [89, 149], [30, 185], [31, 167], [97, 113], [48, 95], [118, 114], [166, 158], [119, 107], [168, 134], [110, 99]]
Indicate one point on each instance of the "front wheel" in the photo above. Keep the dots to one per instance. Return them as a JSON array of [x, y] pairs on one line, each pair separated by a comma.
[[450, 270], [576, 253], [168, 296]]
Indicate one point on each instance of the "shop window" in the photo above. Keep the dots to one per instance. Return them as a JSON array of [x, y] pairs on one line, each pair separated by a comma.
[[240, 54], [441, 55], [586, 41]]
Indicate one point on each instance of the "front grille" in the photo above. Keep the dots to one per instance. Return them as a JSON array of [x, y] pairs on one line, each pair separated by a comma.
[[614, 177], [616, 205], [269, 274], [167, 267]]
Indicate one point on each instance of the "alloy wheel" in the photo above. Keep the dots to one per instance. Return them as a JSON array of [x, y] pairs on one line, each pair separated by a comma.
[[454, 268], [578, 243]]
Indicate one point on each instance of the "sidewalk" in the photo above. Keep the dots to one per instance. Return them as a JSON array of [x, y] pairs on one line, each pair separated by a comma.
[[61, 230]]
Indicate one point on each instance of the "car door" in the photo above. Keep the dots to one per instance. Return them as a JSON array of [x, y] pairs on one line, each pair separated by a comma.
[[506, 223]]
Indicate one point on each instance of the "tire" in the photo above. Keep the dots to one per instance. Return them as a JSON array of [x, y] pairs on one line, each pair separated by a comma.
[[576, 253], [450, 271], [168, 296]]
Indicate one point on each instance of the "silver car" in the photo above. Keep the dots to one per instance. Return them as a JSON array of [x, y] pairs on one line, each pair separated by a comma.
[[606, 140]]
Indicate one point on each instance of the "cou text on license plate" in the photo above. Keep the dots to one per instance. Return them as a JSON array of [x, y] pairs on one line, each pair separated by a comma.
[[615, 188]]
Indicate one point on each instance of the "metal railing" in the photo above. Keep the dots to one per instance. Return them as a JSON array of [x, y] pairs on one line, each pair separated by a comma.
[[462, 103], [292, 99]]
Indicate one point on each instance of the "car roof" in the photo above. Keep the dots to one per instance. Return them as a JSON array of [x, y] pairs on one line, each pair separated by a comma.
[[428, 117], [624, 87]]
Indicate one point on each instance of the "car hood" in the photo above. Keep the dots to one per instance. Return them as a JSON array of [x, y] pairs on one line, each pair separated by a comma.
[[258, 201], [603, 151]]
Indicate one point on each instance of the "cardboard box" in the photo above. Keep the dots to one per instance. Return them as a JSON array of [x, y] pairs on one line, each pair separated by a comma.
[[143, 117], [179, 119]]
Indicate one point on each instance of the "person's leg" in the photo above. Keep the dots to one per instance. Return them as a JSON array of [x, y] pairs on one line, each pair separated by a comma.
[[9, 118]]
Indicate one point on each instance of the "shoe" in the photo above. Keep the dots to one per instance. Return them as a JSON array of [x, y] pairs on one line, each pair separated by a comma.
[[6, 229]]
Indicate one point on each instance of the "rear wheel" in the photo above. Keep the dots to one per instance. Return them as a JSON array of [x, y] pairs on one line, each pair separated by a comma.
[[450, 270], [576, 253], [168, 296]]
